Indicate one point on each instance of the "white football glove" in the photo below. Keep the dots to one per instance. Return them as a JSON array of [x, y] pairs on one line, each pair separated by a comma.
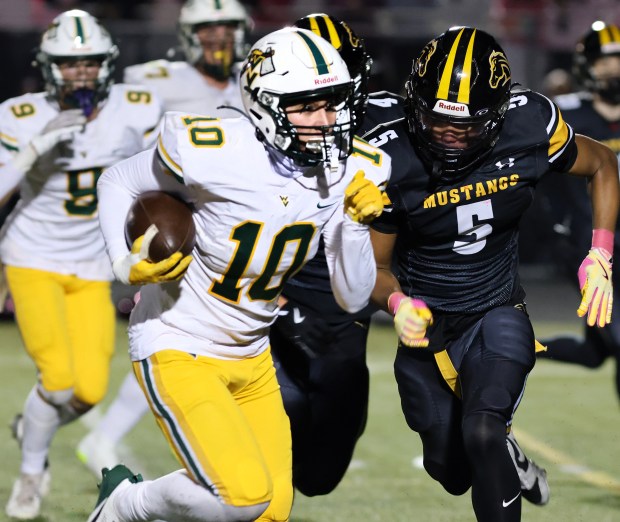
[[62, 128]]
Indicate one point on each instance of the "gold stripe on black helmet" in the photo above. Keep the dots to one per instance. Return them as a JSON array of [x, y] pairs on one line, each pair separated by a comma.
[[460, 57], [609, 34], [323, 26]]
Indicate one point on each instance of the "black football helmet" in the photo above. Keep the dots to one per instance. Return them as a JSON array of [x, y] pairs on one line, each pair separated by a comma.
[[458, 93], [601, 41], [352, 50]]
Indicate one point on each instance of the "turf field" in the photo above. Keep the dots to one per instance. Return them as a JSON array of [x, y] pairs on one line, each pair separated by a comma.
[[568, 422]]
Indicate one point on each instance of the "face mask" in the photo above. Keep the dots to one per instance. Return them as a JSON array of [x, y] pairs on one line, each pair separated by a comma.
[[609, 90]]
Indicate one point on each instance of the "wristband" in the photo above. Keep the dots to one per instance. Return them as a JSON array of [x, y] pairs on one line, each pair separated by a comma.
[[394, 301], [603, 239]]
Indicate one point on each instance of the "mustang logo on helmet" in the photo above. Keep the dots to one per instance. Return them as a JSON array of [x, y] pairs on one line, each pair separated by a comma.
[[500, 70], [353, 39], [425, 57]]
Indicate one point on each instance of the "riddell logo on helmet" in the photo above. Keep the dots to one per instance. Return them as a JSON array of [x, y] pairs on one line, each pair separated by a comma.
[[454, 109], [323, 81]]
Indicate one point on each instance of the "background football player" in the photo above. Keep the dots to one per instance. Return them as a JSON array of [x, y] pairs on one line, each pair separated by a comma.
[[466, 341], [320, 350], [292, 173], [213, 39], [595, 113], [56, 144]]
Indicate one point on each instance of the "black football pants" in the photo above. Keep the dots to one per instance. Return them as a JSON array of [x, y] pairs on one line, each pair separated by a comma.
[[326, 399], [464, 439]]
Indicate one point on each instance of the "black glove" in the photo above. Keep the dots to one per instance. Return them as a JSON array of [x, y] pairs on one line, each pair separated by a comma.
[[304, 329]]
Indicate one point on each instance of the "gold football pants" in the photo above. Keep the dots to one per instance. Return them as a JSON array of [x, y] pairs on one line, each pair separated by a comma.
[[67, 325], [225, 421]]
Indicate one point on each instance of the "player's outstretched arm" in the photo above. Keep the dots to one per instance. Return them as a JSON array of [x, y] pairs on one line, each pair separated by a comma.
[[600, 164]]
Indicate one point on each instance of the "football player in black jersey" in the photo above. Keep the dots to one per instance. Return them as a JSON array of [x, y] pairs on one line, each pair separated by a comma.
[[318, 349], [594, 112], [467, 154]]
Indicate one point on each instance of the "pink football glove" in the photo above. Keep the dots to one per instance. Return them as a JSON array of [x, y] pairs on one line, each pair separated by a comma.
[[596, 287], [411, 318]]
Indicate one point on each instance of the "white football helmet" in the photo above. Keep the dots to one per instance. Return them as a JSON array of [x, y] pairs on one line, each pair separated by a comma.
[[200, 13], [292, 66], [76, 35]]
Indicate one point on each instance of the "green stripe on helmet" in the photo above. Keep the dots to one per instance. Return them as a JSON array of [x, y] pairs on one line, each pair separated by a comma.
[[319, 60]]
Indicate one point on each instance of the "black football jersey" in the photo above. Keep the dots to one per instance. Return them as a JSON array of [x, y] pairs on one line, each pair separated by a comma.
[[568, 199], [382, 107], [457, 240]]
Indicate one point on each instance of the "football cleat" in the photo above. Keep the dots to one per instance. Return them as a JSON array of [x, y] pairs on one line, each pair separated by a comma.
[[114, 480], [97, 452], [534, 485], [25, 500]]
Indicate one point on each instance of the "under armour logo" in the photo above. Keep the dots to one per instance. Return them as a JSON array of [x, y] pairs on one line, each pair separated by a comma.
[[284, 200], [500, 165]]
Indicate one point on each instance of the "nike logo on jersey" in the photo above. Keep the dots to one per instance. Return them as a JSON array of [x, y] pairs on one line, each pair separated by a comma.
[[506, 504], [318, 205], [500, 165], [297, 317]]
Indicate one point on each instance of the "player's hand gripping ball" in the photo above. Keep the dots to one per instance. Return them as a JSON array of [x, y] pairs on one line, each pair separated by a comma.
[[176, 231], [161, 233]]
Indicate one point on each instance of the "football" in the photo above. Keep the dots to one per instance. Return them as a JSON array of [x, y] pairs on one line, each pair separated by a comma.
[[173, 219]]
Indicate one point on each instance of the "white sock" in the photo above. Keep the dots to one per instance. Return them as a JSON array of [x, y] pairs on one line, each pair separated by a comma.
[[177, 498], [128, 407], [41, 421]]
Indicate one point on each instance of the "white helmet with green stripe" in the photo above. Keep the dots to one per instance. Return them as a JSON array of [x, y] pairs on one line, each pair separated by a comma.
[[76, 35], [196, 14], [293, 66]]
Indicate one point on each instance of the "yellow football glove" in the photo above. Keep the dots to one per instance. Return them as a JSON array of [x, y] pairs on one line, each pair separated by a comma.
[[363, 201], [136, 269], [411, 319], [596, 287]]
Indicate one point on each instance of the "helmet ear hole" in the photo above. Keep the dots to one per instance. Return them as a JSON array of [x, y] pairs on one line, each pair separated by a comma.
[[456, 106]]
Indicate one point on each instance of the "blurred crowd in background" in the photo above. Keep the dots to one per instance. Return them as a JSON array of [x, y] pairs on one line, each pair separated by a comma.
[[538, 35]]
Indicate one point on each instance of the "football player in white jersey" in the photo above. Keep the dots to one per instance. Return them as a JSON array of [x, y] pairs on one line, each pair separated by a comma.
[[212, 35], [265, 188], [55, 146]]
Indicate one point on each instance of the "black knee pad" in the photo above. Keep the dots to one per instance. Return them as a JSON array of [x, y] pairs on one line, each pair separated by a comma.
[[483, 435], [508, 333]]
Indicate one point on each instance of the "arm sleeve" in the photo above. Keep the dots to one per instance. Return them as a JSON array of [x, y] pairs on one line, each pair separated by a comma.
[[119, 185], [350, 260]]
